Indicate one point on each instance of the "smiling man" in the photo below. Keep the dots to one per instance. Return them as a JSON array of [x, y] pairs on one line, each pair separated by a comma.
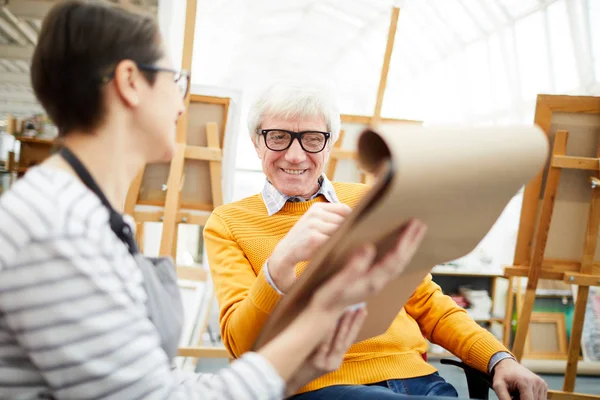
[[259, 245]]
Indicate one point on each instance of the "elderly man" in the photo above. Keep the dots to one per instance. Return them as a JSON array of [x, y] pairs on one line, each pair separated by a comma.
[[259, 245]]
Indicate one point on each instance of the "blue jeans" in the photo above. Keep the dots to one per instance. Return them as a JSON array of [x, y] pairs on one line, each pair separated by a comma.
[[424, 386]]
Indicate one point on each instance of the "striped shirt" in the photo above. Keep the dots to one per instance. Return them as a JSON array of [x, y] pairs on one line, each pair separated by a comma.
[[72, 308]]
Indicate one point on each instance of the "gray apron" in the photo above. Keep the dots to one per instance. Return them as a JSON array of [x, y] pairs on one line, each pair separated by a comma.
[[163, 303]]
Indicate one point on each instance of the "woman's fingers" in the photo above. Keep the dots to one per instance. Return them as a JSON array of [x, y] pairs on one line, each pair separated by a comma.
[[322, 353], [347, 330], [332, 293], [358, 318], [344, 327]]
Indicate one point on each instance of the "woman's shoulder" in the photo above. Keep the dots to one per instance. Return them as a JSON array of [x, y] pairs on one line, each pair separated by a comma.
[[45, 203]]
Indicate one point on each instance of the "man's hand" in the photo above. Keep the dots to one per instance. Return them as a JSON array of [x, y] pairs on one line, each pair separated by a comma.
[[510, 377], [306, 236], [329, 355]]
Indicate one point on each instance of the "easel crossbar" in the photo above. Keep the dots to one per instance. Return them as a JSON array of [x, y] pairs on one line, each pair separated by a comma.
[[570, 162], [576, 278], [182, 217], [203, 153]]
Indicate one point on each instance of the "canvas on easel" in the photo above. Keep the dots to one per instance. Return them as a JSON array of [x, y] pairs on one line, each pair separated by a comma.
[[558, 229]]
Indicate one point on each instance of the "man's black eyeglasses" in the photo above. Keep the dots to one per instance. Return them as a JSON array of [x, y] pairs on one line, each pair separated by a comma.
[[281, 139], [181, 77]]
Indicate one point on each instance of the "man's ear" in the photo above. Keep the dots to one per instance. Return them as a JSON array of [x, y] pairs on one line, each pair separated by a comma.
[[127, 80], [326, 153], [256, 146]]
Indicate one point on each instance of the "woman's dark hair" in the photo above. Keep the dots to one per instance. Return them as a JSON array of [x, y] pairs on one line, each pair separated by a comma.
[[80, 44]]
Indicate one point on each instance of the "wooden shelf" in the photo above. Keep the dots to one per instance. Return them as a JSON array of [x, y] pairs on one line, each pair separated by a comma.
[[26, 139], [475, 274]]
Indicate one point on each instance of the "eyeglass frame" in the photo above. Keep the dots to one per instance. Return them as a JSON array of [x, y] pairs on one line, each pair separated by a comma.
[[178, 74], [295, 135]]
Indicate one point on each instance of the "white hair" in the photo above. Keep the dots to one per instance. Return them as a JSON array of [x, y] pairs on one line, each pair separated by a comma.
[[292, 100]]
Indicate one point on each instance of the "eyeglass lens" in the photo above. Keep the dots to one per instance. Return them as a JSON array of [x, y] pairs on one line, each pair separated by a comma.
[[310, 141]]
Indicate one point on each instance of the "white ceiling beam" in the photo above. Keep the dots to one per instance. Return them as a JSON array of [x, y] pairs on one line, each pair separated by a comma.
[[13, 77], [12, 32], [30, 9], [22, 109], [9, 66], [482, 30], [12, 52], [23, 27], [20, 97]]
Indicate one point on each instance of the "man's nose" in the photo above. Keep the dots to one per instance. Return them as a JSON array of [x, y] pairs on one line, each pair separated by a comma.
[[295, 154]]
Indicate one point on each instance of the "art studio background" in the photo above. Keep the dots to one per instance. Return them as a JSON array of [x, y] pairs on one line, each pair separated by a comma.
[[471, 62]]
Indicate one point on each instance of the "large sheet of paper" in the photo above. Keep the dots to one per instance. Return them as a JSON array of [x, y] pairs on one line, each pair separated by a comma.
[[456, 180]]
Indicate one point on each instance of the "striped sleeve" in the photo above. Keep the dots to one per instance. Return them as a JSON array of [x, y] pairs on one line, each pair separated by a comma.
[[73, 321], [88, 338]]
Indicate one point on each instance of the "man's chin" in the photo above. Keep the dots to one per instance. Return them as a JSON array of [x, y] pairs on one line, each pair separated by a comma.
[[293, 190]]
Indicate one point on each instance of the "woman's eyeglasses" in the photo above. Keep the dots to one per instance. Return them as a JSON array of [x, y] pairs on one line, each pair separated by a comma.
[[281, 139], [181, 77]]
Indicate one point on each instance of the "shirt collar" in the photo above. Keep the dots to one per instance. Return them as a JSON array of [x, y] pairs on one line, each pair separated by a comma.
[[275, 200]]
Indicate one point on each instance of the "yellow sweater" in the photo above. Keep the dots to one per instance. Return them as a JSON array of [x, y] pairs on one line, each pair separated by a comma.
[[239, 238]]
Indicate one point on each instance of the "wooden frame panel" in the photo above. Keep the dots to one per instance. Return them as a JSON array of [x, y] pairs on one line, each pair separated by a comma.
[[553, 326]]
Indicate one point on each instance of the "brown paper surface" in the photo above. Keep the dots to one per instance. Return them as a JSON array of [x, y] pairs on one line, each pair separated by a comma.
[[456, 180]]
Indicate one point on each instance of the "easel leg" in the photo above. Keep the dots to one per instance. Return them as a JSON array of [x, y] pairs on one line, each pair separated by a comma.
[[215, 167], [575, 342], [139, 236], [519, 297], [535, 268], [510, 304], [523, 322], [134, 192], [175, 241], [172, 201]]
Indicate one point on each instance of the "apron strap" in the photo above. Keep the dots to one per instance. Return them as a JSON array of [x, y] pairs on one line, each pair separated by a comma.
[[117, 222]]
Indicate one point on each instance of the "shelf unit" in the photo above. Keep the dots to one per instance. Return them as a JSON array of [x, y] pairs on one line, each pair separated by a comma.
[[450, 278]]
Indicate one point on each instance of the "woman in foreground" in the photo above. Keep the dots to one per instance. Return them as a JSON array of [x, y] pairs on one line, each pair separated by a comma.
[[82, 313]]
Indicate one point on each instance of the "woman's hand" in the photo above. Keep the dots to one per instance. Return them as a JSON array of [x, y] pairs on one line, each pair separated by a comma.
[[329, 355]]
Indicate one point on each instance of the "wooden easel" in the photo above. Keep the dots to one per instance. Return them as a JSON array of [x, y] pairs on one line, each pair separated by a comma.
[[533, 258], [177, 195], [338, 153]]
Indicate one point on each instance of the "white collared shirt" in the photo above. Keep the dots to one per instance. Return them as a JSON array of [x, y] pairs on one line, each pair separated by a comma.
[[275, 200]]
